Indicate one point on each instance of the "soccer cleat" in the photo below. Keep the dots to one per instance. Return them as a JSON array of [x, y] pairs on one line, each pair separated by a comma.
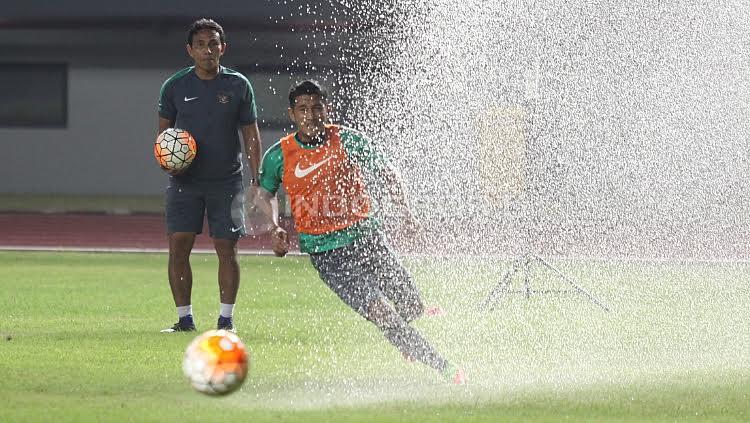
[[434, 311], [459, 378], [185, 324], [225, 323], [454, 375], [408, 358]]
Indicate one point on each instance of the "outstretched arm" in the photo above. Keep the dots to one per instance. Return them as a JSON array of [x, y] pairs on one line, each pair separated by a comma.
[[395, 190], [385, 182], [265, 202]]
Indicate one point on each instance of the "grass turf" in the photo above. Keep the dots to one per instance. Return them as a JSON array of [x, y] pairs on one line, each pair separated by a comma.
[[80, 341]]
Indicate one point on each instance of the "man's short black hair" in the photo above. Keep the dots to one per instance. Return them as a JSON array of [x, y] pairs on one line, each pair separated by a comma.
[[202, 24], [306, 87]]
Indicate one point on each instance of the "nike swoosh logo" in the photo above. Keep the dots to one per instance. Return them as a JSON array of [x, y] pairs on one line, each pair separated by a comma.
[[301, 173], [234, 229], [190, 98]]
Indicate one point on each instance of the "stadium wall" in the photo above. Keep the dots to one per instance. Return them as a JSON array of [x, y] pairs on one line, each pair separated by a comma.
[[106, 146]]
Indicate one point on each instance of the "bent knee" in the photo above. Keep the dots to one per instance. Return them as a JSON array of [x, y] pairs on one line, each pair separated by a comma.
[[412, 310], [383, 315]]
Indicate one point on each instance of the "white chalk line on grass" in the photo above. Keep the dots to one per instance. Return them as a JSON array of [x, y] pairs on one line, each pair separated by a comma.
[[599, 258], [255, 252], [131, 250]]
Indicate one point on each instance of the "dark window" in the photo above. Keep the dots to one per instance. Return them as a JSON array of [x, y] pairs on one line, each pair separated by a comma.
[[33, 95]]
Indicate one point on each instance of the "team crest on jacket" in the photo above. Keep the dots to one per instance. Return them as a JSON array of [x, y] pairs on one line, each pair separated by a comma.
[[223, 98]]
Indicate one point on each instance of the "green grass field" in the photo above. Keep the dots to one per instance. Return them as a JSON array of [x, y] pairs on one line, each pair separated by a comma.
[[80, 342]]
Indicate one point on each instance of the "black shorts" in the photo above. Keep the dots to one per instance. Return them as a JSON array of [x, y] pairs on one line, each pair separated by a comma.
[[222, 202], [368, 270]]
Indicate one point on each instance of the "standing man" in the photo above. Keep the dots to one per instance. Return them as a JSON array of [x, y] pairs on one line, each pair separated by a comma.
[[211, 102], [321, 167]]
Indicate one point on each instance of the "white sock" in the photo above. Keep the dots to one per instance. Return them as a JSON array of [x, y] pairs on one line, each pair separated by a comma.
[[183, 311], [226, 310]]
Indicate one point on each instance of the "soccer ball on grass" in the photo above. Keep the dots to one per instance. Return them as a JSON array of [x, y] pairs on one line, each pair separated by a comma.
[[216, 362]]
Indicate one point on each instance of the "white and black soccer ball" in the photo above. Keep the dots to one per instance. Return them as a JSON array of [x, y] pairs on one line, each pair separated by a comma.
[[216, 362], [175, 149]]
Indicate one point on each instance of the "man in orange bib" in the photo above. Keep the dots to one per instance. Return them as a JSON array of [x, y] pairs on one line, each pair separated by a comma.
[[321, 167]]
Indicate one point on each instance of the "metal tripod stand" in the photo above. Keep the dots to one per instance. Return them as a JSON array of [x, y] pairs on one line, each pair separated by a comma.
[[523, 265], [523, 129]]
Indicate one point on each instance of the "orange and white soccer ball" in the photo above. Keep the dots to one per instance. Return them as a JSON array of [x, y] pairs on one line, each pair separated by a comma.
[[216, 362], [175, 149]]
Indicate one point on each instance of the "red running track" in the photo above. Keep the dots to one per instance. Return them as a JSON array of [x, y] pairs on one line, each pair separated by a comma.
[[107, 232]]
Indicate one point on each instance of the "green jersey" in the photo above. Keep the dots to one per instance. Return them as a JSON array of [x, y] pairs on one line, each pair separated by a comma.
[[360, 157], [211, 110]]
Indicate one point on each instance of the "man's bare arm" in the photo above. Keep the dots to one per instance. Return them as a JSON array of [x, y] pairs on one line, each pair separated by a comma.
[[251, 139], [394, 188], [264, 201], [164, 124]]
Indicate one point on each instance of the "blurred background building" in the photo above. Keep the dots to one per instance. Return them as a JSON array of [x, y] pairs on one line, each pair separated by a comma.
[[602, 130], [80, 82]]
